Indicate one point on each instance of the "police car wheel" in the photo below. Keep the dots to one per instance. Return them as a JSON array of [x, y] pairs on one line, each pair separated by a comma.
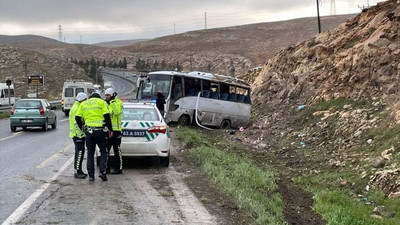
[[23, 128], [164, 161], [13, 128]]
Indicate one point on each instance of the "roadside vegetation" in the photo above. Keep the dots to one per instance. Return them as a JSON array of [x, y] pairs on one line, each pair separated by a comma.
[[4, 114], [341, 191], [254, 189]]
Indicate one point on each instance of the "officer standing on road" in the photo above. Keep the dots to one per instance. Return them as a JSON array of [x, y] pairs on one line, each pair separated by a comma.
[[94, 115], [116, 108], [77, 136]]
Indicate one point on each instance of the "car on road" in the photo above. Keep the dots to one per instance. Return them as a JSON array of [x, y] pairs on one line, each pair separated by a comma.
[[32, 113], [145, 132]]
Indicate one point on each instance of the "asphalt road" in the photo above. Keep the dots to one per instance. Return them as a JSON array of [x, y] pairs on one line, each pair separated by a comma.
[[28, 159], [121, 86], [37, 186]]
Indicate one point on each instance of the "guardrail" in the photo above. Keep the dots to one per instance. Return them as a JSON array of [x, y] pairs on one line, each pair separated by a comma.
[[55, 103]]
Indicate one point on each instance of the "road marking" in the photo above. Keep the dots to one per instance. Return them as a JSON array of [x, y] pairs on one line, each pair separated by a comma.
[[21, 210], [64, 120], [14, 135], [45, 162]]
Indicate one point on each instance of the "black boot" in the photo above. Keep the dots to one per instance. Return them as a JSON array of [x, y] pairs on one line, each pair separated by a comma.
[[103, 176], [79, 175]]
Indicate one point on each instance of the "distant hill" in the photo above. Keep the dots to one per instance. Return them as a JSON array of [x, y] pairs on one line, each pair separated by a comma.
[[229, 50], [31, 41], [232, 49], [119, 43]]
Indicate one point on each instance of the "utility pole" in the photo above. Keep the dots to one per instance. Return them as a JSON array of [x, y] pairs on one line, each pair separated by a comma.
[[333, 7], [174, 28], [319, 21], [205, 20], [25, 67], [60, 32]]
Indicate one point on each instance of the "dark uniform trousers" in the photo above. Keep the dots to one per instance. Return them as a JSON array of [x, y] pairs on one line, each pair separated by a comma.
[[99, 138], [79, 153], [115, 143]]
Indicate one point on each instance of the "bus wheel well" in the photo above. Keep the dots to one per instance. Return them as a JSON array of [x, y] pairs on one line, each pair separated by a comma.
[[184, 120], [225, 124]]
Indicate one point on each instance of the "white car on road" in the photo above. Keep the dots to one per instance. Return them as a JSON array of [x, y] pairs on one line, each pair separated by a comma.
[[145, 132]]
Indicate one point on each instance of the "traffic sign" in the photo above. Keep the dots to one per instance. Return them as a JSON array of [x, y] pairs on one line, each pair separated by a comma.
[[36, 80]]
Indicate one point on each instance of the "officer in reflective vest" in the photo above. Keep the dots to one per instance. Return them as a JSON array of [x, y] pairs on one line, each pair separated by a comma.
[[77, 136], [93, 114], [116, 108]]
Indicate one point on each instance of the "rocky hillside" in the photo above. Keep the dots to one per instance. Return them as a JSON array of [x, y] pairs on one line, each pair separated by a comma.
[[55, 70], [358, 59], [326, 114]]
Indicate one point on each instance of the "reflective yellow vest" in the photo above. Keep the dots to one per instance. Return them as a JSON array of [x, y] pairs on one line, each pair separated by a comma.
[[74, 130], [92, 112], [116, 108]]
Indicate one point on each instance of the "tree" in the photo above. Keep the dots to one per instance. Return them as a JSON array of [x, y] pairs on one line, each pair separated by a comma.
[[104, 64], [120, 64], [178, 66], [124, 63], [156, 66], [163, 65], [110, 64]]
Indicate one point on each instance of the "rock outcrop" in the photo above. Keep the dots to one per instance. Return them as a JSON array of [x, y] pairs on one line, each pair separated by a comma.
[[358, 59]]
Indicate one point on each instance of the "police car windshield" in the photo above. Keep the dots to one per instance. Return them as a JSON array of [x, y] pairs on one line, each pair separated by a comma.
[[140, 114], [154, 84]]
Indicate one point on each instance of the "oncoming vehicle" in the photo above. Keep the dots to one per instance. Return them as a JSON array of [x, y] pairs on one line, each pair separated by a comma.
[[108, 84], [224, 101], [70, 90], [32, 113], [144, 132], [4, 95]]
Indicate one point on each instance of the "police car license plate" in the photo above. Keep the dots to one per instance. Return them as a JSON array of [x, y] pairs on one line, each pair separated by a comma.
[[133, 133]]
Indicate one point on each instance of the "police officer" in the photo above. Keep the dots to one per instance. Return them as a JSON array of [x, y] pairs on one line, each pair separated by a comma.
[[77, 136], [93, 114], [116, 107]]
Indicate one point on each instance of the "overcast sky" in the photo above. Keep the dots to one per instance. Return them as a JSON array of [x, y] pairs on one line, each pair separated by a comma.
[[106, 20]]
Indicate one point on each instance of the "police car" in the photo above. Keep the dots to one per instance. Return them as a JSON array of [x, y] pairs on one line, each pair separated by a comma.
[[145, 132]]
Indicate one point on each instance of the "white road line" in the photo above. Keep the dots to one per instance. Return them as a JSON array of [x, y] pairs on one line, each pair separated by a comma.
[[14, 135], [21, 210], [45, 162], [64, 120]]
